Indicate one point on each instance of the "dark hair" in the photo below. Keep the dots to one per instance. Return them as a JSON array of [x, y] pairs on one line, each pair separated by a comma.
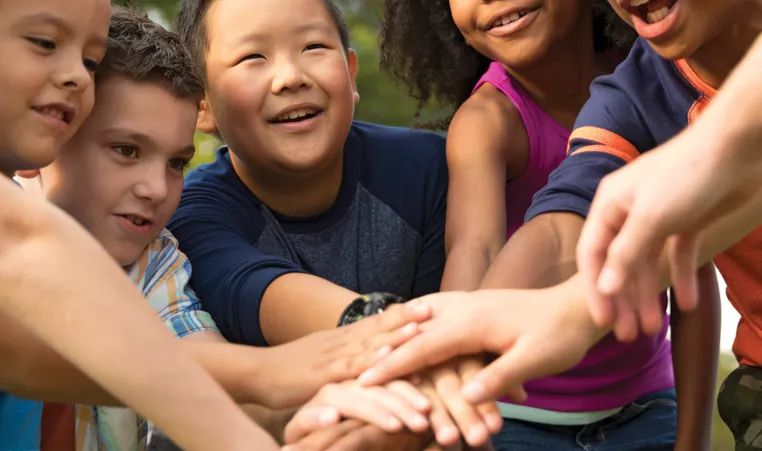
[[423, 49], [143, 50], [191, 26]]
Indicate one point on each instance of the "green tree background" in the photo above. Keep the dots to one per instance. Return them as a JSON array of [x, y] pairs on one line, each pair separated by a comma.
[[383, 101]]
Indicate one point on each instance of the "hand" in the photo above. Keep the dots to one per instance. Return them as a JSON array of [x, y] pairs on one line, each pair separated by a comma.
[[389, 408], [298, 369], [536, 332], [354, 435], [708, 174], [443, 386]]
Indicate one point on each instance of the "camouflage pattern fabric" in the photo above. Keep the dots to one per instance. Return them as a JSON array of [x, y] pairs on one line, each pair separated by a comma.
[[740, 407]]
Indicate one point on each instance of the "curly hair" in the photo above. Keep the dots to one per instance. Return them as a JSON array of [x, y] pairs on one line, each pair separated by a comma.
[[423, 49], [142, 50]]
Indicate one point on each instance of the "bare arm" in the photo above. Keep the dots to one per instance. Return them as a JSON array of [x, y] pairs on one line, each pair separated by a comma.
[[62, 287], [695, 347], [295, 305], [540, 254], [486, 141]]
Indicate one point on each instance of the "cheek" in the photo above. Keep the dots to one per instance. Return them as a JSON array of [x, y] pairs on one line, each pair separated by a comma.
[[462, 12]]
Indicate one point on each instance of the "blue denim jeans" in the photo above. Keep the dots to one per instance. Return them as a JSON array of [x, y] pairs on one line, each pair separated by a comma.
[[648, 424]]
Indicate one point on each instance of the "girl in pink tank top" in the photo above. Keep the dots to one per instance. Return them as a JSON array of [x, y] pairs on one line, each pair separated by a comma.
[[517, 73]]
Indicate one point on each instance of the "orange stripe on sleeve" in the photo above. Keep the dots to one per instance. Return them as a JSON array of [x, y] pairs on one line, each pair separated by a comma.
[[609, 150], [609, 142]]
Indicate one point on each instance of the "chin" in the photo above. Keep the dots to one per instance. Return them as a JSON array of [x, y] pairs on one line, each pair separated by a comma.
[[674, 50]]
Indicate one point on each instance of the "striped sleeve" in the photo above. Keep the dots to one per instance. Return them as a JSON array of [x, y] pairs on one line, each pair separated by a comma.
[[165, 285], [609, 133]]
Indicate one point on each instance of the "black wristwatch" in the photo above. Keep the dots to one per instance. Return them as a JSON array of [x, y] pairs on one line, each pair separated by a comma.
[[367, 305]]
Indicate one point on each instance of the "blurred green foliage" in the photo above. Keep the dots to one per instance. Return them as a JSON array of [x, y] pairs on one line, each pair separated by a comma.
[[384, 102]]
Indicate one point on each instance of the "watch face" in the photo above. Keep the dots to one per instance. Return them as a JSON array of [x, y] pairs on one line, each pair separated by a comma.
[[368, 305]]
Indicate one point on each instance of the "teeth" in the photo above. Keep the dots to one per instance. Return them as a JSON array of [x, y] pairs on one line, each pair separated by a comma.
[[135, 220], [53, 112], [658, 15], [636, 3], [508, 19], [296, 114]]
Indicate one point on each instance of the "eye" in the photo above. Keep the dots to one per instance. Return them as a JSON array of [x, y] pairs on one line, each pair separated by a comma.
[[315, 46], [253, 56], [179, 164], [126, 150], [46, 44], [91, 65]]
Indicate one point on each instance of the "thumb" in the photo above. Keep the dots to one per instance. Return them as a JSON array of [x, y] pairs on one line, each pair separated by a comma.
[[308, 420]]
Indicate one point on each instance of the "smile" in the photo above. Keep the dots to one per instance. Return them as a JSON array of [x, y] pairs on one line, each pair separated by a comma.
[[651, 11], [298, 115]]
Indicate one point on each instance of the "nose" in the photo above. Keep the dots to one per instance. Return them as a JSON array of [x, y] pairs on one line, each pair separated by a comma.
[[152, 184], [288, 75], [72, 74]]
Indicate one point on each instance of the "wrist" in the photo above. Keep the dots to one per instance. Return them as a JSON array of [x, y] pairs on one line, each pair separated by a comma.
[[367, 305], [574, 308]]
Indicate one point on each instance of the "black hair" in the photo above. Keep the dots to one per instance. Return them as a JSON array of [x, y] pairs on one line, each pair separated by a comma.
[[423, 49], [191, 26]]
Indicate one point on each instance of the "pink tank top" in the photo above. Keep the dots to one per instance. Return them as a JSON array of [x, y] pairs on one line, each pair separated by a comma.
[[612, 374]]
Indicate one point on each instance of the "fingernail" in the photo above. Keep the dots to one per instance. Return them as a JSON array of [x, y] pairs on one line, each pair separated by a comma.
[[474, 392], [368, 376], [394, 423], [382, 352], [410, 329], [494, 423], [422, 403], [419, 422], [417, 305], [477, 435], [607, 281], [447, 435], [329, 417]]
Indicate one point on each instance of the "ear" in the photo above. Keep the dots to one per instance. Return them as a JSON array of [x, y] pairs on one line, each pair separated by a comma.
[[28, 174], [354, 68], [205, 122]]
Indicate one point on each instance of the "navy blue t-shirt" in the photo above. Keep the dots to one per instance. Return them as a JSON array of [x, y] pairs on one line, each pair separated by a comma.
[[385, 231]]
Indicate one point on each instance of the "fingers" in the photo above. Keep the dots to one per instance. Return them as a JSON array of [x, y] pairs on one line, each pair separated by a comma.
[[397, 316], [599, 230], [444, 428], [323, 439], [399, 406], [408, 392], [448, 385], [309, 419], [422, 351], [489, 412], [683, 256], [649, 305], [374, 405]]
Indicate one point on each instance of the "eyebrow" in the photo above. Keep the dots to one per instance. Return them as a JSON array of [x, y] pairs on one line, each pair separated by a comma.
[[143, 140], [301, 29], [51, 19]]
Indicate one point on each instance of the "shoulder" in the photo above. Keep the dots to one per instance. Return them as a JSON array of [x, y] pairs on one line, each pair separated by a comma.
[[161, 260], [487, 122], [379, 140]]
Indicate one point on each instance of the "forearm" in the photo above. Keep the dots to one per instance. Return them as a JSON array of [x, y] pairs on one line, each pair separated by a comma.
[[540, 254], [295, 305], [272, 421], [466, 267], [64, 289], [695, 348]]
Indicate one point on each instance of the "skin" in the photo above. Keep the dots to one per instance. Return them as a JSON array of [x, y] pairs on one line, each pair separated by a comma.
[[487, 146], [55, 47], [251, 81]]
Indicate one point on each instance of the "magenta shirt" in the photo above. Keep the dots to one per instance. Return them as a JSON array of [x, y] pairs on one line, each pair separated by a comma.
[[612, 374]]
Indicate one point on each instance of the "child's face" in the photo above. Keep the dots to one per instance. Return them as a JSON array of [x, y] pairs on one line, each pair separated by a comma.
[[514, 33], [49, 50], [677, 28], [280, 87], [121, 176]]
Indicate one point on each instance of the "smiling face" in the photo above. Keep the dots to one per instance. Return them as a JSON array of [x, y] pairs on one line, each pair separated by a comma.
[[50, 50], [121, 176], [518, 32], [280, 86], [676, 29]]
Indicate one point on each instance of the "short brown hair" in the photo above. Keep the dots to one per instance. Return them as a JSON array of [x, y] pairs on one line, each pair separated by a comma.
[[143, 50]]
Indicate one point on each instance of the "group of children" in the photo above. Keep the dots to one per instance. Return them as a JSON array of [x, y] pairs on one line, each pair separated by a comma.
[[309, 223]]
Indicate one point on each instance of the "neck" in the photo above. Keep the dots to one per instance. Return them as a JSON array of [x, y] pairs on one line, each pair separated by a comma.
[[714, 61], [296, 195], [560, 81]]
